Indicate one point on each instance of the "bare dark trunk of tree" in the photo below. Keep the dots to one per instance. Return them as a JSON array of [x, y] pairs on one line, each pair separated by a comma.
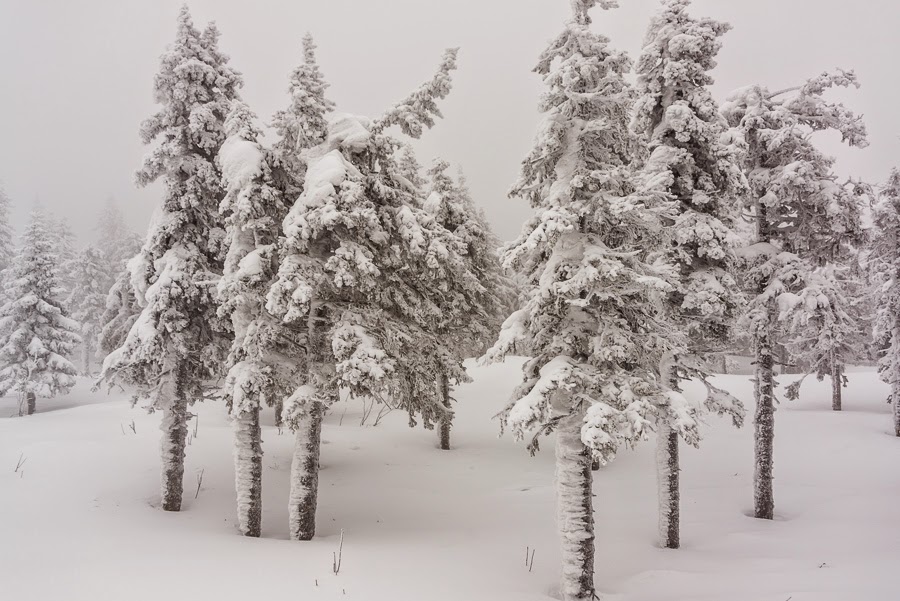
[[837, 382], [595, 465], [174, 429], [248, 456], [30, 402], [305, 474], [764, 424], [575, 512], [279, 410], [669, 492], [87, 351], [447, 421]]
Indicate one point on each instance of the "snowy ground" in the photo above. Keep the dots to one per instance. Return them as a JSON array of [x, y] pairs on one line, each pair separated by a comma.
[[80, 518]]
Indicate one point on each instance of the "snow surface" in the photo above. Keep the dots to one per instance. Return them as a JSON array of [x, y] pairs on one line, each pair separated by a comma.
[[82, 522]]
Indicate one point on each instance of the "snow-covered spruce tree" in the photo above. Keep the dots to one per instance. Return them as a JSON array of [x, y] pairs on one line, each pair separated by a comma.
[[885, 263], [266, 360], [300, 126], [680, 120], [87, 300], [63, 240], [825, 322], [358, 255], [7, 247], [120, 312], [596, 259], [466, 331], [117, 245], [36, 336], [803, 219], [173, 347]]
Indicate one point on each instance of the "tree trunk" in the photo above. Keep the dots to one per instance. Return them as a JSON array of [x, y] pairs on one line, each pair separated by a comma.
[[174, 429], [447, 421], [895, 385], [896, 399], [30, 402], [837, 381], [575, 510], [667, 470], [248, 456], [305, 474], [279, 409], [595, 465], [86, 352], [764, 423]]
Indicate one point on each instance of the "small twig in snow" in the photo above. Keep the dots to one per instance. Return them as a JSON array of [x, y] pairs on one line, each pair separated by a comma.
[[199, 482], [341, 423], [336, 557], [196, 424], [133, 427], [21, 462]]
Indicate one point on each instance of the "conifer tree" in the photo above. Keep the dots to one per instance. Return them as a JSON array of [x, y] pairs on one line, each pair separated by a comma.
[[680, 120], [36, 336], [465, 329], [174, 346], [120, 311], [265, 364], [804, 219], [302, 124], [7, 247], [885, 263], [87, 300], [63, 239], [596, 260], [360, 259]]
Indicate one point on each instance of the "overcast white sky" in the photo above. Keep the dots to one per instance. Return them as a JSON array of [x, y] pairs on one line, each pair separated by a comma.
[[76, 79]]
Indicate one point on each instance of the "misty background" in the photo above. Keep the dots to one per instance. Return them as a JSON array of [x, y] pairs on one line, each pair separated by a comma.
[[77, 80]]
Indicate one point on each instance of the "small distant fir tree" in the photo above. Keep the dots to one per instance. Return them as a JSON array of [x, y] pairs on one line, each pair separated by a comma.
[[36, 336]]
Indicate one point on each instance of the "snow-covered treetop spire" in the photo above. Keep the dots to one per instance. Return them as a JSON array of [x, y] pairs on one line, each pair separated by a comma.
[[302, 124], [595, 259], [680, 121], [581, 8], [418, 110]]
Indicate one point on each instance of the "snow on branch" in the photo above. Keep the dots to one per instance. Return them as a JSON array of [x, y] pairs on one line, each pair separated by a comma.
[[418, 110]]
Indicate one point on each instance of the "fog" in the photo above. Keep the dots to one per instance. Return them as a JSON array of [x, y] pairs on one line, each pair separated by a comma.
[[77, 79]]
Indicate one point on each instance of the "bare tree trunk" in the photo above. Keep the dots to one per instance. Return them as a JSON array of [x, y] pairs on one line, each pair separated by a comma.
[[305, 474], [30, 402], [174, 429], [595, 465], [86, 353], [764, 423], [837, 382], [895, 385], [248, 456], [447, 421], [896, 399], [667, 470], [575, 513], [279, 410]]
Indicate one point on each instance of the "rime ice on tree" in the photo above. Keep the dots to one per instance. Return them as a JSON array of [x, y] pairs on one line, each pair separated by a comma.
[[595, 256], [173, 348], [689, 152], [36, 336], [803, 217]]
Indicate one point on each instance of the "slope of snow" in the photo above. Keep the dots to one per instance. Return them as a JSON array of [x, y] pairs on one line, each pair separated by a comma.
[[81, 520]]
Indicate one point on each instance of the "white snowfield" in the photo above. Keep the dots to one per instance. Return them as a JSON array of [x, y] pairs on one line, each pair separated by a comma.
[[81, 520]]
